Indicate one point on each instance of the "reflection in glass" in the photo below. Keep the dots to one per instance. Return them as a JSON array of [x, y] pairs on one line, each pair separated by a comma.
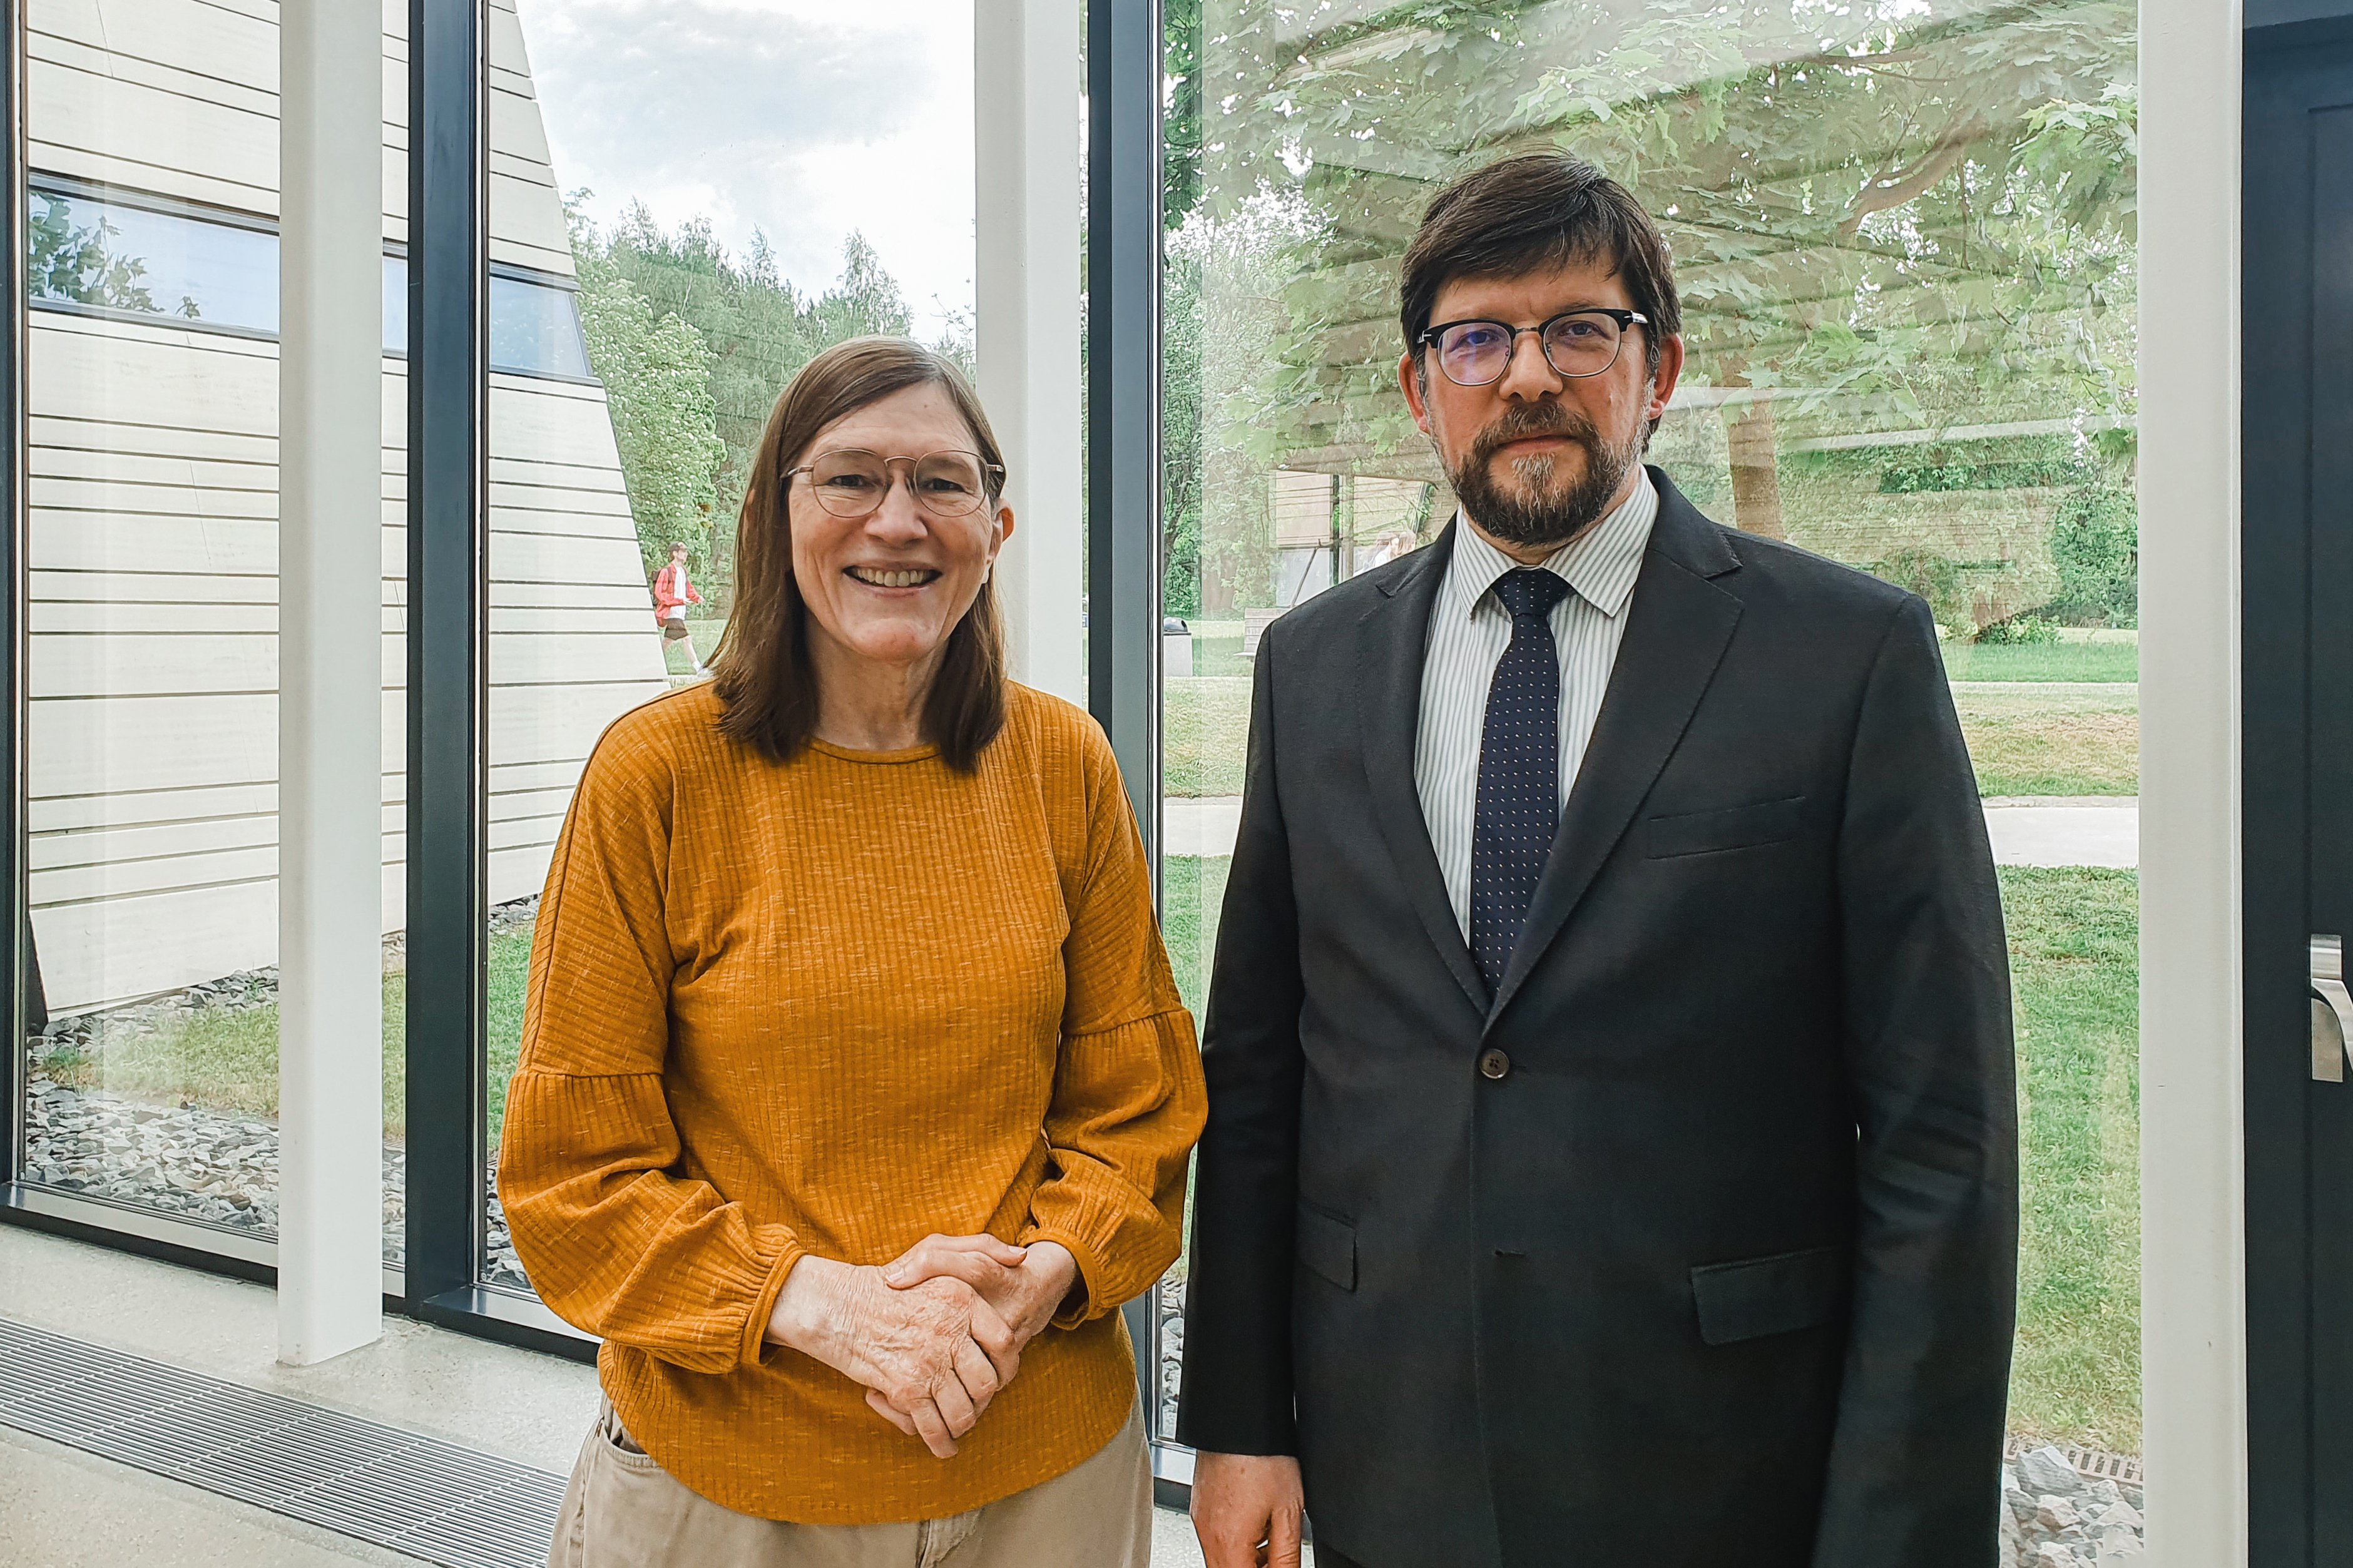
[[151, 654], [152, 650], [1904, 238], [112, 252], [395, 305], [219, 271], [682, 334], [534, 329]]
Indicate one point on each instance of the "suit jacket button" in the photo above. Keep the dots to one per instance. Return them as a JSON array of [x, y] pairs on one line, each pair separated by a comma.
[[1493, 1064]]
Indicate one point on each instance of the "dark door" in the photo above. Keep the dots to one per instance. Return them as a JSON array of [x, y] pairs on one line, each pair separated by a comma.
[[2297, 645]]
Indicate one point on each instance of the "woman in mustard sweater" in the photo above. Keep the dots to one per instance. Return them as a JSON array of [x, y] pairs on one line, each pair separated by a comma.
[[855, 1094]]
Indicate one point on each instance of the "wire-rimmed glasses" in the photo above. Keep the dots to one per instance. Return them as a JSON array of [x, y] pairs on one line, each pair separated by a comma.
[[850, 481], [1576, 344]]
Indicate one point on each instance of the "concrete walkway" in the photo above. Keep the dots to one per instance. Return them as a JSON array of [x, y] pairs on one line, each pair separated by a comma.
[[2029, 830], [2065, 830]]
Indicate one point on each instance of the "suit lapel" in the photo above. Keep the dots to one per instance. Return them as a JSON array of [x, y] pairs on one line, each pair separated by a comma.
[[1680, 624], [1392, 636]]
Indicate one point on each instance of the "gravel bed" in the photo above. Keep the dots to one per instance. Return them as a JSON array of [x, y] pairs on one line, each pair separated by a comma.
[[2053, 1516], [201, 1166], [215, 1167], [222, 1170], [1172, 1350]]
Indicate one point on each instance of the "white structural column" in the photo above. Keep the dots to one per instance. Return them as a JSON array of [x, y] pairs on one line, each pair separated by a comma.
[[1025, 108], [330, 679], [2193, 1271]]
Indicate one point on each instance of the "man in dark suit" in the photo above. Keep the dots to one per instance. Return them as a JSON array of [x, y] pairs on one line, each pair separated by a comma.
[[1611, 1153]]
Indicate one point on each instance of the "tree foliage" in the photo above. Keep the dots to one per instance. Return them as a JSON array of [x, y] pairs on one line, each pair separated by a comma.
[[1884, 215], [2095, 545], [755, 329], [657, 376], [78, 263]]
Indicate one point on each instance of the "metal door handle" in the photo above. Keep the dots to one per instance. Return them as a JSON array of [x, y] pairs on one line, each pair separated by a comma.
[[2332, 1014]]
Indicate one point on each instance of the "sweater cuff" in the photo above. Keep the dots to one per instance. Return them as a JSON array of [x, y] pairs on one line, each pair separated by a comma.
[[763, 1303], [1083, 1303]]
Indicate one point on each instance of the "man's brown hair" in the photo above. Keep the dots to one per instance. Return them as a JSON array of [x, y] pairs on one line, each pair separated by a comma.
[[761, 670], [1525, 214]]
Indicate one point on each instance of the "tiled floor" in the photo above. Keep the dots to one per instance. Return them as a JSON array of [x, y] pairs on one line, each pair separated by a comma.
[[60, 1507]]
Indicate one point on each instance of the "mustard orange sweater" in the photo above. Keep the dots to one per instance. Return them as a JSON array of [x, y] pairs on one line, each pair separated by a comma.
[[830, 1006]]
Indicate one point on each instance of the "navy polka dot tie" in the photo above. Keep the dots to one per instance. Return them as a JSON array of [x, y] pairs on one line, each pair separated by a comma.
[[1519, 773]]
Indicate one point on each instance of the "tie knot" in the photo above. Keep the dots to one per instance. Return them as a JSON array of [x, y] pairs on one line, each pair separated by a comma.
[[1530, 592]]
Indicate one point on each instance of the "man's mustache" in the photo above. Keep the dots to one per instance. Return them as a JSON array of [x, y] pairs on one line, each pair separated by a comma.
[[1538, 419]]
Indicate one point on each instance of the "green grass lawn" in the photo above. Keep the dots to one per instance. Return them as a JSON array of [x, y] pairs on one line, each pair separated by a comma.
[[2074, 938], [1191, 892], [2117, 661], [2074, 966], [1204, 730], [2062, 741], [228, 1061]]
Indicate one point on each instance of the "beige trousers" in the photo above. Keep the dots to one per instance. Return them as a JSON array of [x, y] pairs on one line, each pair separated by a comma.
[[622, 1511]]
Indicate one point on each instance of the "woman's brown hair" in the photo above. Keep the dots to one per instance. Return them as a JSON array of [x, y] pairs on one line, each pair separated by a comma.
[[761, 670]]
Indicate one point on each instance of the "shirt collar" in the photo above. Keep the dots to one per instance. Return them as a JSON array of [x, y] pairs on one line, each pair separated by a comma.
[[1600, 565]]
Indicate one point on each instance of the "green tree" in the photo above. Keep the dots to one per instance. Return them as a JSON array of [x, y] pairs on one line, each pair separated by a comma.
[[1181, 314], [2096, 546], [1180, 124], [1180, 437], [657, 376], [1221, 346], [758, 329], [755, 324], [866, 303]]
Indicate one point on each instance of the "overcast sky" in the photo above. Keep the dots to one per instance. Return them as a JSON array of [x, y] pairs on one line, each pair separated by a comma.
[[805, 119]]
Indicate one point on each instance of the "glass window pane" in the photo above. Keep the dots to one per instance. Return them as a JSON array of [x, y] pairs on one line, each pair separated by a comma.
[[153, 668], [108, 251], [535, 329], [711, 261], [395, 305], [153, 709], [1906, 246]]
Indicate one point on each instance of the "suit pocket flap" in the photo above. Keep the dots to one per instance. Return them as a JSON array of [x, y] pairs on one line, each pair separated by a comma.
[[1737, 828], [1328, 1246], [1777, 1295]]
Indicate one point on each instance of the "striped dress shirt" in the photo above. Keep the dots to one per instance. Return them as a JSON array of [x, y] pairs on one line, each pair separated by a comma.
[[1469, 631]]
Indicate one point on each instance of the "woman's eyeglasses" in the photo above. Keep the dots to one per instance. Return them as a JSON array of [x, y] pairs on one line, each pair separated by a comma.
[[851, 482], [1575, 343]]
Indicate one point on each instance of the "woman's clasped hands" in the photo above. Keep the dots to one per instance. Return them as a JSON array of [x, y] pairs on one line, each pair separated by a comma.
[[933, 1334]]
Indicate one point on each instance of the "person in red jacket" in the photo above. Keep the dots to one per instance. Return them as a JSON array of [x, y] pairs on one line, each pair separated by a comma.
[[672, 594]]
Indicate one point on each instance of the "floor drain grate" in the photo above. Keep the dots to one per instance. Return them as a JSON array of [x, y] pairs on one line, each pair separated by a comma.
[[413, 1494]]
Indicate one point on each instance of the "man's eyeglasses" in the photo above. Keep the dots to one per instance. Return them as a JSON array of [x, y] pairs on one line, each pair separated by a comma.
[[1575, 343], [850, 481]]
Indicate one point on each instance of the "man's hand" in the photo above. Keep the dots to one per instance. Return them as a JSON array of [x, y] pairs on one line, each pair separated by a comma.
[[931, 1355], [1026, 1285], [1246, 1509]]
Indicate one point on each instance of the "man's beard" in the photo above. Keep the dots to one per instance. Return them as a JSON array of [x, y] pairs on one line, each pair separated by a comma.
[[1543, 509]]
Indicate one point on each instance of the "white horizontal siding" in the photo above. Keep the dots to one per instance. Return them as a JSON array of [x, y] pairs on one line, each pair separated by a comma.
[[181, 97], [152, 548], [152, 644], [104, 950]]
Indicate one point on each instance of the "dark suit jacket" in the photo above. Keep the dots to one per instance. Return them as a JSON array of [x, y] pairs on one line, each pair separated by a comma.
[[1722, 1270]]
